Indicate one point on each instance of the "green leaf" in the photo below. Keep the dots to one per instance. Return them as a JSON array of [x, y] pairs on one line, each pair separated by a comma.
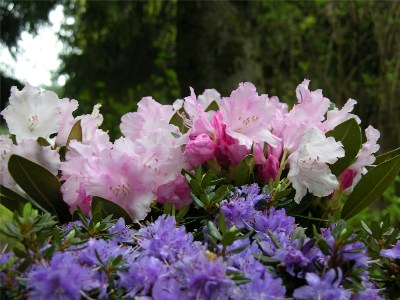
[[222, 222], [41, 185], [75, 133], [10, 199], [197, 201], [108, 208], [371, 186], [178, 121], [366, 228], [293, 208], [228, 238], [5, 216], [213, 106], [385, 156], [349, 133], [244, 169], [214, 230], [42, 142]]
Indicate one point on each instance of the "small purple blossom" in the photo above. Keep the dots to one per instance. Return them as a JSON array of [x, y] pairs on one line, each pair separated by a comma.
[[393, 253], [323, 288], [64, 278]]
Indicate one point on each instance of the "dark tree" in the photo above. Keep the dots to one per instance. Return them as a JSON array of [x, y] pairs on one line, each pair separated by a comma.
[[217, 45]]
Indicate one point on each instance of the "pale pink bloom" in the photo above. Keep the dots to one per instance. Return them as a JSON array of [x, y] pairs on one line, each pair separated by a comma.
[[364, 158], [309, 168], [336, 116], [269, 169], [199, 150], [67, 120], [32, 113], [150, 116], [160, 152], [124, 181], [248, 116], [74, 194], [308, 113], [43, 156], [6, 145], [175, 192]]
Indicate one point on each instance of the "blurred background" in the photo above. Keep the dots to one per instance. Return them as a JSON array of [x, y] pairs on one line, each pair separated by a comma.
[[116, 52]]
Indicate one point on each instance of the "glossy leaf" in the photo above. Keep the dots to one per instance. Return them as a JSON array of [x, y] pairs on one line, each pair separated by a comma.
[[349, 133], [10, 199], [75, 133], [244, 169], [108, 207], [42, 142], [41, 185], [385, 156], [371, 186]]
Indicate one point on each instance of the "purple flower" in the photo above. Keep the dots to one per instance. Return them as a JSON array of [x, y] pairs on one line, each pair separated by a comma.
[[393, 253], [326, 287], [292, 258], [166, 241], [63, 279], [121, 233], [168, 288], [142, 274]]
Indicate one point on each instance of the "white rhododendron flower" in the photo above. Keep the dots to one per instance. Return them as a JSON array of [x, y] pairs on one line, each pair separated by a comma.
[[308, 164], [32, 113], [6, 145]]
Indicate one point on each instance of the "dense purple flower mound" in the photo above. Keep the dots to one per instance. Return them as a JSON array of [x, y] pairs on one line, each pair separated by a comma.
[[271, 258]]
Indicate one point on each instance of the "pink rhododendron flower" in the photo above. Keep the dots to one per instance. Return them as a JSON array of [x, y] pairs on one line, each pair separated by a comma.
[[150, 116], [228, 151], [346, 178], [199, 150], [364, 158], [248, 116], [269, 169], [176, 192], [67, 120], [32, 113], [124, 181], [308, 113], [308, 164], [336, 116]]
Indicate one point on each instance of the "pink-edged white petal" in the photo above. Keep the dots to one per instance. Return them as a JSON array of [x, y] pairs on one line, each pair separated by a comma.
[[248, 116], [308, 164]]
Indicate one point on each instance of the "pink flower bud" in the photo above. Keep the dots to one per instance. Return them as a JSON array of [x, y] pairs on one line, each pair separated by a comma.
[[269, 170], [199, 150], [346, 178]]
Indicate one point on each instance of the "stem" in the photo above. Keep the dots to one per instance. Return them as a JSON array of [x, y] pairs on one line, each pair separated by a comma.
[[281, 167]]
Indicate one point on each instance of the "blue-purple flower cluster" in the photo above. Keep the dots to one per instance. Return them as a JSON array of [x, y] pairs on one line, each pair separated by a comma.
[[164, 261]]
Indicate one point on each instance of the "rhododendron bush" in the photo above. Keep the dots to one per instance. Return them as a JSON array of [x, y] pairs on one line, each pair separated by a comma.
[[211, 197]]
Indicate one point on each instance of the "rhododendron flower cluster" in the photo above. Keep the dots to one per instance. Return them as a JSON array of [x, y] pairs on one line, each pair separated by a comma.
[[159, 141], [211, 197]]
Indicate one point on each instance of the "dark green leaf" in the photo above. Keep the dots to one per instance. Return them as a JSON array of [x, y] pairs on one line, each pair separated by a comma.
[[206, 180], [109, 208], [39, 184], [228, 238], [221, 222], [244, 169], [10, 199], [294, 208], [75, 133], [366, 228], [197, 201], [349, 133], [385, 156], [371, 186]]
